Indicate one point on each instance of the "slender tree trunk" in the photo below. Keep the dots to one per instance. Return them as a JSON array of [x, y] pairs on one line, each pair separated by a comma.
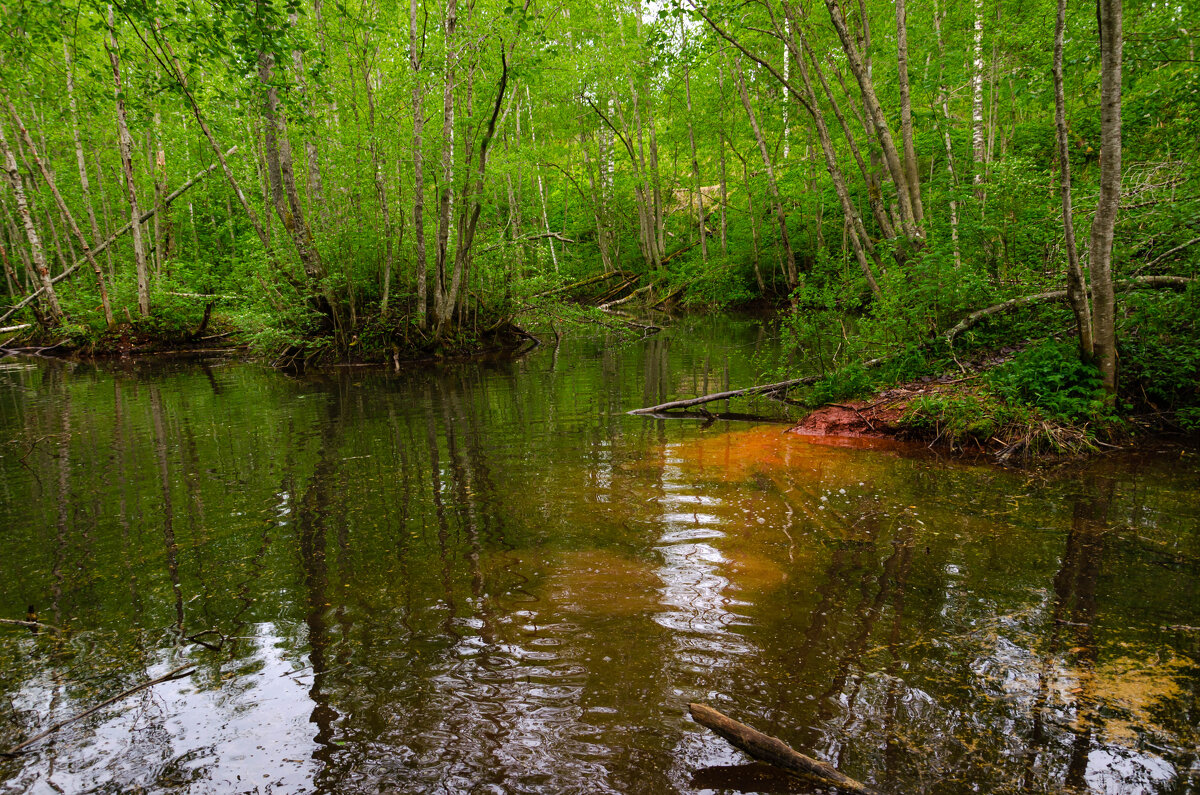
[[162, 220], [906, 131], [772, 186], [280, 174], [13, 174], [181, 80], [755, 246], [1103, 302], [721, 160], [380, 186], [445, 199], [907, 194], [874, 196], [312, 159], [1076, 287], [84, 182], [699, 198], [541, 186], [126, 149], [66, 213], [415, 53], [108, 259], [807, 98], [463, 251], [943, 98], [977, 149]]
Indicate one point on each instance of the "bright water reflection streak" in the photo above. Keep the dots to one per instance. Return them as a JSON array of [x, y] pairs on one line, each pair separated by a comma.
[[487, 578]]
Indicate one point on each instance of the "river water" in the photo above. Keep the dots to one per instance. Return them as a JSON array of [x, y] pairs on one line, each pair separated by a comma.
[[487, 578]]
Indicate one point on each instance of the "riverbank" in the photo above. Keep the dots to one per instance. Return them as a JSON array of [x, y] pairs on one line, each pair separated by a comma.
[[963, 415]]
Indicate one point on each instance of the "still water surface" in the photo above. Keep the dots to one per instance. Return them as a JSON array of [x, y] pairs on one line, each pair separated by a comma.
[[487, 578]]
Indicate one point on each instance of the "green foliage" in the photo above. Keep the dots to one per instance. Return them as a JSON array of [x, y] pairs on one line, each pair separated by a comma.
[[1159, 354], [1051, 376], [718, 283], [982, 418], [845, 384], [956, 418]]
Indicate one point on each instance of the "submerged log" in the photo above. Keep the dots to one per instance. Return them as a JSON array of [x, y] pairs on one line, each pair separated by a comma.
[[774, 751]]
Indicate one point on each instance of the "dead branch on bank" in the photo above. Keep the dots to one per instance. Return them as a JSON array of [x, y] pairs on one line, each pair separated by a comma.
[[948, 336], [769, 749], [608, 306], [146, 216], [1058, 295]]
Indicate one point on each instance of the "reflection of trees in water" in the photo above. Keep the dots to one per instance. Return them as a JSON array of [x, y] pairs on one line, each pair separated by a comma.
[[461, 654], [900, 674], [312, 511]]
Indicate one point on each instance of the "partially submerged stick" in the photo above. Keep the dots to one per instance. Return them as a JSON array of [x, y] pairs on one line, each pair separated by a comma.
[[761, 389], [38, 625], [773, 751], [174, 673]]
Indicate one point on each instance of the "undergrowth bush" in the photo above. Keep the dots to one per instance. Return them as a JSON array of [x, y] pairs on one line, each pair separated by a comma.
[[1051, 376]]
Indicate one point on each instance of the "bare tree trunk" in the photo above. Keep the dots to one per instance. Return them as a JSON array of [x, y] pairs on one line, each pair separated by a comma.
[[418, 154], [807, 98], [66, 212], [1103, 302], [312, 160], [772, 186], [445, 199], [181, 80], [1076, 287], [462, 253], [721, 158], [906, 132], [162, 220], [108, 259], [380, 186], [755, 247], [541, 187], [699, 198], [943, 97], [282, 179], [84, 182], [874, 197], [977, 150], [126, 147], [905, 191], [13, 175]]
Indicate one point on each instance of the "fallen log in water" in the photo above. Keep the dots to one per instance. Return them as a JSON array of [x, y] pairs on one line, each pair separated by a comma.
[[774, 751], [761, 389]]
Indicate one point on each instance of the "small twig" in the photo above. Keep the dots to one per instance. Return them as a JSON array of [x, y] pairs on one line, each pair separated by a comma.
[[175, 673], [32, 445], [196, 639], [38, 625]]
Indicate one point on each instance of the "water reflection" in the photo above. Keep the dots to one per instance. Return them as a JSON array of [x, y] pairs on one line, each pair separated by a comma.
[[488, 578]]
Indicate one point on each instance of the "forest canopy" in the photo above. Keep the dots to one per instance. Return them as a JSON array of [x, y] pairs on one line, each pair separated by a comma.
[[328, 177]]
